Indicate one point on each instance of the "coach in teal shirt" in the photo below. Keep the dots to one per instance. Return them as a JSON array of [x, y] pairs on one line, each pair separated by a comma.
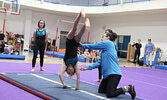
[[110, 68]]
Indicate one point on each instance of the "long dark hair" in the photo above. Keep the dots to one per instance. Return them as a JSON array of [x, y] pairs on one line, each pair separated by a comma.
[[40, 21], [109, 30], [112, 36]]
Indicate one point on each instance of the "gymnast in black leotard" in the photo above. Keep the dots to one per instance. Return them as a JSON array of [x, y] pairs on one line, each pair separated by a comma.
[[71, 52], [70, 64]]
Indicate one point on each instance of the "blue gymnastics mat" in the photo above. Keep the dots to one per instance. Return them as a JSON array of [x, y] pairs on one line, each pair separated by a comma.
[[61, 55], [163, 67], [50, 53], [13, 57], [155, 59], [50, 85]]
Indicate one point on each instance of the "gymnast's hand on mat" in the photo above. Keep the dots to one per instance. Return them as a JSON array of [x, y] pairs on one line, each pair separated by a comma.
[[83, 68], [65, 87]]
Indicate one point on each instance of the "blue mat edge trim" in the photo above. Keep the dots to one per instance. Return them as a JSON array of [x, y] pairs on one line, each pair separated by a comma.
[[29, 87], [61, 55], [14, 57]]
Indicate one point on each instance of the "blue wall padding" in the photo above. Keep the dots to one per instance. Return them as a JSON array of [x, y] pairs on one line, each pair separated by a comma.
[[31, 51], [61, 55], [82, 59], [14, 57], [163, 67], [155, 59]]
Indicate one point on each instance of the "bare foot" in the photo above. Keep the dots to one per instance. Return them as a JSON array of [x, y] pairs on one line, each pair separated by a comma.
[[99, 80], [77, 89], [42, 69], [87, 23], [33, 69], [83, 13]]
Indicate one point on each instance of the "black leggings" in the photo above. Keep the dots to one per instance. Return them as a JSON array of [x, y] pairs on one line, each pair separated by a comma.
[[38, 45], [109, 86], [99, 69], [137, 54]]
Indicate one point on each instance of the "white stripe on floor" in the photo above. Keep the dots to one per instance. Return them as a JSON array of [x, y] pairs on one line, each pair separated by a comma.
[[86, 92]]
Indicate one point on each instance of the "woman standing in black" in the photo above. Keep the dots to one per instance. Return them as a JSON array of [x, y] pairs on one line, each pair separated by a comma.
[[137, 51], [40, 36]]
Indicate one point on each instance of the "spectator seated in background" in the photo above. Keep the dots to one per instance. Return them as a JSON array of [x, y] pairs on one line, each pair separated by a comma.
[[6, 49], [2, 46], [93, 55], [5, 41], [86, 55], [78, 53], [17, 48], [10, 46], [97, 55], [2, 36]]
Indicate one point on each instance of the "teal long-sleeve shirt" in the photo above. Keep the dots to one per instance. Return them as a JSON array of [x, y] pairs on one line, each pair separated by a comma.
[[108, 60]]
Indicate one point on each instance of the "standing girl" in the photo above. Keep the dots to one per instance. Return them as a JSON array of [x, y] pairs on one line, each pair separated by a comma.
[[40, 36]]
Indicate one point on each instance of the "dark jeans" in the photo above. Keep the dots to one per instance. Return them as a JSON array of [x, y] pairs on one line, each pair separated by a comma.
[[38, 45], [109, 86]]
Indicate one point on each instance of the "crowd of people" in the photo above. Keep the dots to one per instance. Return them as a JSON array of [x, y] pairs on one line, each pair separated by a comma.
[[93, 54], [10, 44]]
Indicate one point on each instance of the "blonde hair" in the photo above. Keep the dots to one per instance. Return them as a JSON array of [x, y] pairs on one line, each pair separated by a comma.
[[10, 41]]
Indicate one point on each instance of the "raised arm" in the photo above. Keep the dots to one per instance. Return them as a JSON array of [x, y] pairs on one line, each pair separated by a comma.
[[78, 77], [96, 46], [93, 66], [62, 70]]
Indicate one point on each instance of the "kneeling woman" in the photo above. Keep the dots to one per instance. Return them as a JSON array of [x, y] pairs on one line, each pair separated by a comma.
[[110, 68]]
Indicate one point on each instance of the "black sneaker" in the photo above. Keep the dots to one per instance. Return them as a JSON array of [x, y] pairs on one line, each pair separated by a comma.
[[132, 91]]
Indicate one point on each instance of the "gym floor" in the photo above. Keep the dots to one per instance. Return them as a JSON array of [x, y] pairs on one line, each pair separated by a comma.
[[150, 83]]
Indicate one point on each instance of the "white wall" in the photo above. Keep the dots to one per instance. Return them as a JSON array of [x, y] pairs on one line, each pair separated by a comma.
[[12, 23], [1, 21], [27, 28], [141, 26], [144, 26], [149, 5]]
